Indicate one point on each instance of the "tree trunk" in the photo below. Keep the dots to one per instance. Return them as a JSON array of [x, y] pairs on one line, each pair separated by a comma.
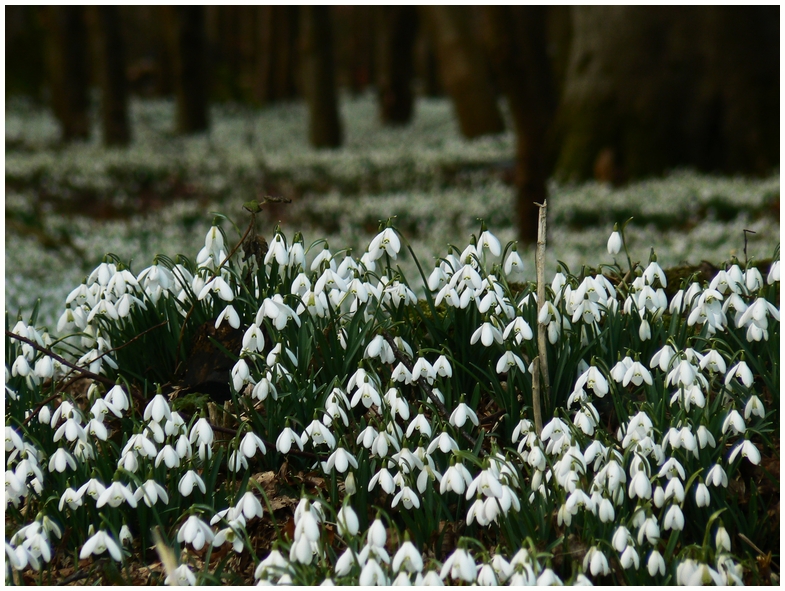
[[463, 70], [362, 51], [516, 43], [68, 74], [425, 66], [396, 30], [652, 88], [190, 77], [276, 59], [110, 58], [25, 66], [319, 77]]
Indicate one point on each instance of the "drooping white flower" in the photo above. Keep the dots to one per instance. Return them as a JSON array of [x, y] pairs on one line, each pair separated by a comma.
[[195, 532], [98, 544], [614, 242], [748, 450]]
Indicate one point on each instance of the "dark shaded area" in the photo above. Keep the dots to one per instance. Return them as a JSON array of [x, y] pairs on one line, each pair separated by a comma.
[[613, 93], [110, 60]]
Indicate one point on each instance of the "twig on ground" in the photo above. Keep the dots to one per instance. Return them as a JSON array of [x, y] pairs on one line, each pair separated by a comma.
[[428, 390]]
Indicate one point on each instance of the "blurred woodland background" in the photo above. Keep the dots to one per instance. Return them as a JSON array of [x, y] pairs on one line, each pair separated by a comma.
[[612, 93]]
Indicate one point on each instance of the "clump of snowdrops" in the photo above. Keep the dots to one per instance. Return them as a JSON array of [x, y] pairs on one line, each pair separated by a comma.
[[662, 412]]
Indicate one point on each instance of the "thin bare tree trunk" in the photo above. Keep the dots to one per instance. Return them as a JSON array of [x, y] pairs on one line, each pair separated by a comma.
[[463, 70], [68, 74], [396, 30], [516, 43], [276, 61], [110, 57], [190, 64], [319, 77]]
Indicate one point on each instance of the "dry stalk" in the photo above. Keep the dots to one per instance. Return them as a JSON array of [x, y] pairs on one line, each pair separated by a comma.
[[541, 369]]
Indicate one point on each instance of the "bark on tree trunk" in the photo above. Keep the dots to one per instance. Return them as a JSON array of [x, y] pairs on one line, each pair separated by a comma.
[[396, 30], [319, 77], [516, 44], [276, 53], [463, 70], [68, 74], [110, 58], [652, 88], [190, 77], [425, 65]]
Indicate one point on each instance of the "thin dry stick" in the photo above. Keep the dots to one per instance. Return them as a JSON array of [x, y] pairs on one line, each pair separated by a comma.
[[56, 357], [536, 395], [542, 364], [428, 390], [138, 336]]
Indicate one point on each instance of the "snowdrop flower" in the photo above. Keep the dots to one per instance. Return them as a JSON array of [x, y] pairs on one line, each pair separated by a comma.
[[649, 530], [98, 544], [408, 497], [614, 242], [114, 495], [713, 361], [702, 496], [398, 405], [188, 481], [250, 443], [655, 564], [115, 398], [774, 273], [490, 242], [621, 538], [748, 450], [456, 478], [637, 374], [508, 361], [443, 442], [386, 241], [722, 539], [654, 271], [372, 574], [340, 459], [217, 285], [734, 423], [593, 379], [487, 333], [318, 434], [460, 566], [420, 424], [230, 315], [93, 488], [442, 367], [596, 562], [754, 406], [716, 476], [195, 532], [348, 523], [674, 518], [284, 442], [742, 372], [640, 486], [701, 575], [384, 479], [513, 266], [619, 370], [157, 409], [201, 433], [461, 414], [150, 491], [249, 506], [548, 578], [61, 460]]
